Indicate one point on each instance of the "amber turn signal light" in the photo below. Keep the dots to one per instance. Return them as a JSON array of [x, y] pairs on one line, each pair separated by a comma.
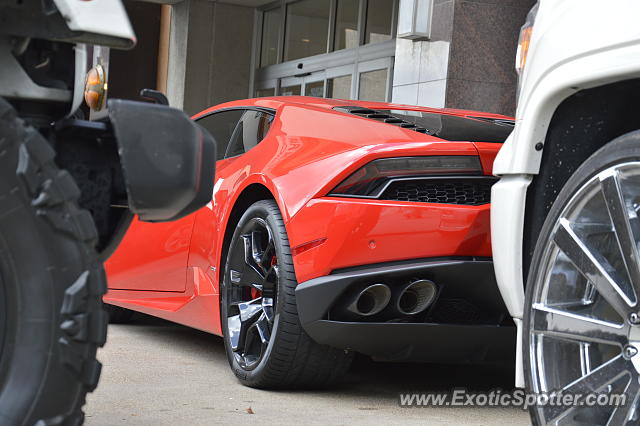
[[523, 48], [95, 88]]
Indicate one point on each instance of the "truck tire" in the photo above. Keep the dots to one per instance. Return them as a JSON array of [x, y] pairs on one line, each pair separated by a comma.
[[51, 284], [580, 318]]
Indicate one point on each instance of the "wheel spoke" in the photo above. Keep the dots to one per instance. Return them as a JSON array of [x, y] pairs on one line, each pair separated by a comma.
[[267, 255], [270, 282], [593, 266], [249, 257], [626, 225], [256, 245], [234, 326], [566, 325], [249, 310], [238, 325], [267, 307], [263, 328], [622, 413], [606, 374]]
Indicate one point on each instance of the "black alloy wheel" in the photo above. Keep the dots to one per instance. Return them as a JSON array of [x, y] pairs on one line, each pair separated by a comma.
[[253, 273], [266, 345]]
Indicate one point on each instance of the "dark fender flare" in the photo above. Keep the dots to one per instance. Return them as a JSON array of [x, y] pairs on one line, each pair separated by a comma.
[[168, 161]]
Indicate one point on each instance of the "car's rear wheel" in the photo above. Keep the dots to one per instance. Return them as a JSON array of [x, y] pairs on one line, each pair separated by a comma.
[[265, 343], [582, 323]]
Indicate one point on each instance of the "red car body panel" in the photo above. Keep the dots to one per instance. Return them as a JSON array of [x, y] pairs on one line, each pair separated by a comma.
[[361, 233], [170, 270]]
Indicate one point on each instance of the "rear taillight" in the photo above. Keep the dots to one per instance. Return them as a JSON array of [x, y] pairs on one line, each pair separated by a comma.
[[370, 179]]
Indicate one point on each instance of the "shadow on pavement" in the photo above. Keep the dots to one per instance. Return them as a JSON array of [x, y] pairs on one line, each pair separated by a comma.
[[365, 377]]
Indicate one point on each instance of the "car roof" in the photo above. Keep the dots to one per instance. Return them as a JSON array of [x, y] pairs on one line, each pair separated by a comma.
[[276, 102]]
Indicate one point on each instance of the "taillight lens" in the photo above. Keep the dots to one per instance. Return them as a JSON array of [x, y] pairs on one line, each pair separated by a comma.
[[370, 179]]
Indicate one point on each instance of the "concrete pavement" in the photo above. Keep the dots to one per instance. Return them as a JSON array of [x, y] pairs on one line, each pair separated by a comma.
[[158, 373]]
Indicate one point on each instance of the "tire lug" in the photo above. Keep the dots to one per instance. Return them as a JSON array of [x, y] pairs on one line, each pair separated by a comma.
[[629, 352], [634, 318]]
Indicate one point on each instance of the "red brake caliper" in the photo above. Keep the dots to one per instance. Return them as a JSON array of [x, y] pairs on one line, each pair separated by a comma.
[[255, 293]]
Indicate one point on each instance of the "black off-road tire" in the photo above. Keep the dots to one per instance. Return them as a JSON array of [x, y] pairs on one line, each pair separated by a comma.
[[292, 359], [51, 284]]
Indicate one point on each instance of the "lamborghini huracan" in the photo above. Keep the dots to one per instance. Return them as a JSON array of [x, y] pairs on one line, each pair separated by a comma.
[[335, 227]]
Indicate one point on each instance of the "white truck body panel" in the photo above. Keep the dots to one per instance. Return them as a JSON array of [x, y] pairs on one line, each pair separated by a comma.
[[107, 17]]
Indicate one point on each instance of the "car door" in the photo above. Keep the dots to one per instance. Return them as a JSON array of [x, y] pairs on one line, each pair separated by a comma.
[[154, 256], [253, 125]]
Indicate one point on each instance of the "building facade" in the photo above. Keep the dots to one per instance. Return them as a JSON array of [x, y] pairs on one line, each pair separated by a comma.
[[215, 51]]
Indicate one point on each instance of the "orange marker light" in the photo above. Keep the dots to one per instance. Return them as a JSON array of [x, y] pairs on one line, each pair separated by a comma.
[[95, 88], [523, 48]]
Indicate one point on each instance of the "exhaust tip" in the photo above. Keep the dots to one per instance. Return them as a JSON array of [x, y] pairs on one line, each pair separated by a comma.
[[371, 300], [416, 297]]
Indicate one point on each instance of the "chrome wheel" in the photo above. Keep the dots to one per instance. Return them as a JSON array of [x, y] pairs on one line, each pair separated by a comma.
[[584, 323], [251, 289]]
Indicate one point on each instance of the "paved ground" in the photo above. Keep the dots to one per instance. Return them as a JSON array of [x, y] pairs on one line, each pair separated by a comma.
[[158, 373]]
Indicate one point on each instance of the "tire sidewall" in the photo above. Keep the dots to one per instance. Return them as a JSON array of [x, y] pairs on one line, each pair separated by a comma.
[[623, 149]]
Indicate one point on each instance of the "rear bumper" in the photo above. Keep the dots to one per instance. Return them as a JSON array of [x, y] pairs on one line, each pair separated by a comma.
[[365, 232], [442, 336]]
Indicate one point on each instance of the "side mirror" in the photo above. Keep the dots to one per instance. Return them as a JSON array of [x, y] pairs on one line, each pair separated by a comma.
[[154, 96]]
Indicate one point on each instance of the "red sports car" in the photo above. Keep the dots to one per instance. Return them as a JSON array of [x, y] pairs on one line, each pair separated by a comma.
[[334, 227]]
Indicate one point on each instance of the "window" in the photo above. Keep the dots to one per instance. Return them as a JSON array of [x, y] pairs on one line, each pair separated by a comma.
[[339, 87], [314, 89], [303, 28], [373, 86], [347, 35], [221, 125], [270, 31], [260, 93], [252, 128], [331, 48], [379, 21], [294, 90], [307, 28]]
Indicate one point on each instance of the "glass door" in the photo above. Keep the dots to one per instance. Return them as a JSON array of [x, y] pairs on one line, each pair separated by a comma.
[[373, 80], [367, 81], [340, 82], [312, 84], [290, 86]]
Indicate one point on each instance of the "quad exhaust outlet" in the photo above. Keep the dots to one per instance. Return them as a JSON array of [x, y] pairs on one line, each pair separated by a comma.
[[371, 300]]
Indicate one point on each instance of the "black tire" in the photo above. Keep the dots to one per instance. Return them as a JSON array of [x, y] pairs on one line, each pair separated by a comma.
[[622, 149], [291, 359], [118, 315], [51, 284]]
